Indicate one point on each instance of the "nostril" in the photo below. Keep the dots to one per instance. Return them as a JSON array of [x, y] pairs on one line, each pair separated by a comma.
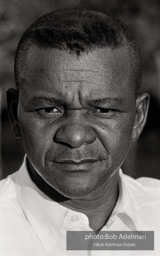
[[62, 142]]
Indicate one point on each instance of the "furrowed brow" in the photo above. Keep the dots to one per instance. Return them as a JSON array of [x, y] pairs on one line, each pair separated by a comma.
[[36, 101], [104, 101]]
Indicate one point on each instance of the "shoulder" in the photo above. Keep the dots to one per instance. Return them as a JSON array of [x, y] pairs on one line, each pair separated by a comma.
[[7, 189], [144, 194], [16, 234], [149, 183], [143, 191], [143, 197], [9, 203], [11, 213], [143, 184]]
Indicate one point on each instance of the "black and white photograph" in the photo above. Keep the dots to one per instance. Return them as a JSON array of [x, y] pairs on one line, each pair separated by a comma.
[[80, 128]]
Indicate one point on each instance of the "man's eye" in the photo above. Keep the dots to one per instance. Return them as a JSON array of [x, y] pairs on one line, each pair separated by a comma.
[[104, 111], [49, 112]]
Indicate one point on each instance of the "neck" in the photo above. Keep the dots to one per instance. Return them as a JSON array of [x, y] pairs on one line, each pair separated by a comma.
[[98, 206]]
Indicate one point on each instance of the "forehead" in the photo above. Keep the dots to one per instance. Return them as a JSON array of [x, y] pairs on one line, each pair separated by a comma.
[[96, 71]]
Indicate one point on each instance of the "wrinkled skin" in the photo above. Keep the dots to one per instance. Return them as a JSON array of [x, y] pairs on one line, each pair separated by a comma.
[[77, 117]]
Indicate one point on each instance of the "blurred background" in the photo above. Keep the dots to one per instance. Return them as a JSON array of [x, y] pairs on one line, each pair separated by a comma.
[[143, 18]]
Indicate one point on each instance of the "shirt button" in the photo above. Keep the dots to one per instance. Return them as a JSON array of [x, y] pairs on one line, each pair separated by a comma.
[[74, 218]]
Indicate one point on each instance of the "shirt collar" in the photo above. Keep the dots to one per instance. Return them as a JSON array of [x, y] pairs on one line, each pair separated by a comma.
[[48, 217]]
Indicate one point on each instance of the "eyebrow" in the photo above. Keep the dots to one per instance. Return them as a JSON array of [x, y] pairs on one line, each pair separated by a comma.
[[106, 100], [35, 101], [38, 100]]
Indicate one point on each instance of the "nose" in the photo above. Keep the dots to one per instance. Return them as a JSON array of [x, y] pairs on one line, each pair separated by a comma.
[[75, 135]]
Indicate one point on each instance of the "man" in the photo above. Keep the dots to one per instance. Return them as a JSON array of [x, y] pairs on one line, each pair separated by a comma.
[[77, 109]]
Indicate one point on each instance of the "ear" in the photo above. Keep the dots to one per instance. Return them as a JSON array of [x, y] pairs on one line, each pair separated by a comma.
[[142, 106], [12, 103]]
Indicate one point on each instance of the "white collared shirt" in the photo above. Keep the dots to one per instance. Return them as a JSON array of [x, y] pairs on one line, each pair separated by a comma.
[[31, 224]]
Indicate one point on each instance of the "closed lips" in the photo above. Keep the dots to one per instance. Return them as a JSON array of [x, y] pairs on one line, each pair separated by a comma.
[[70, 161]]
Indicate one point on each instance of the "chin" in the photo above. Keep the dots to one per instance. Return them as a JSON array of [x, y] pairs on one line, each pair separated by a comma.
[[78, 185], [75, 193]]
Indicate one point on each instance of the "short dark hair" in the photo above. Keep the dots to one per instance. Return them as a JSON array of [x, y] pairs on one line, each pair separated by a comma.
[[79, 31]]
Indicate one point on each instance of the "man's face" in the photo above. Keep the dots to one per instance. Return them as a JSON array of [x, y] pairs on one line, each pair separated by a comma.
[[76, 116]]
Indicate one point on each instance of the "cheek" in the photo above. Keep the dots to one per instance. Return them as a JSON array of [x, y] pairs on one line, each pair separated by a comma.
[[36, 139], [116, 138]]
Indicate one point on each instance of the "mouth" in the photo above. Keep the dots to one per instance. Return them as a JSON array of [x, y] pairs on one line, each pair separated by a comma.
[[76, 167], [76, 162], [80, 165]]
